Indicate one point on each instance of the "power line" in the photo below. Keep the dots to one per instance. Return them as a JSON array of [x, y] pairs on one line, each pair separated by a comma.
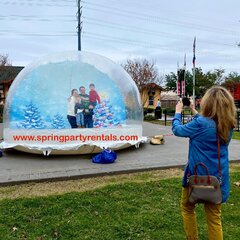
[[107, 39], [34, 16], [156, 46], [36, 4], [145, 31], [137, 30], [123, 40], [135, 42], [110, 10], [125, 27], [137, 15], [152, 19], [152, 7], [2, 32], [115, 40], [26, 19], [68, 1], [149, 6], [155, 19], [95, 21]]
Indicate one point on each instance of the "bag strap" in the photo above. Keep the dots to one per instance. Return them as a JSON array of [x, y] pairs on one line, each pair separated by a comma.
[[200, 164], [219, 158], [219, 162]]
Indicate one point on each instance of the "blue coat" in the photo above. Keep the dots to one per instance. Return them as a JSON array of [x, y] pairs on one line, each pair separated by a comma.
[[203, 147]]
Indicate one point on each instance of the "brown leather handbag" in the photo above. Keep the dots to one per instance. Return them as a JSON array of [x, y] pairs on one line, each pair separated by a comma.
[[205, 188]]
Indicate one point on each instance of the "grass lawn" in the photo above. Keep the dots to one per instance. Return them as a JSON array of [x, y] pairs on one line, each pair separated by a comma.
[[236, 135], [132, 206], [161, 122]]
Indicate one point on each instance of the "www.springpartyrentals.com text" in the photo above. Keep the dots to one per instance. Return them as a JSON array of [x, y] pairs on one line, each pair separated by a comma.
[[74, 138]]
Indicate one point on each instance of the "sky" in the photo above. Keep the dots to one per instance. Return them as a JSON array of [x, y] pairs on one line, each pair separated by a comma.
[[160, 31]]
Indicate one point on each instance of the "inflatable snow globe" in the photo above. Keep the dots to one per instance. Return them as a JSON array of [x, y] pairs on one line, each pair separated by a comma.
[[72, 103]]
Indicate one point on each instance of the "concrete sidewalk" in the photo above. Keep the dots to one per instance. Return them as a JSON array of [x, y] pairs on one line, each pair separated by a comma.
[[22, 167]]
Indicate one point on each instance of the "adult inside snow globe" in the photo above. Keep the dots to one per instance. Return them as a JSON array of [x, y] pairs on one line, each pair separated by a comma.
[[84, 97], [40, 115], [71, 102]]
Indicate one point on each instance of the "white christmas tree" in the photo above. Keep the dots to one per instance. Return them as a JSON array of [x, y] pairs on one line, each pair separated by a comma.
[[33, 119], [58, 122], [104, 115]]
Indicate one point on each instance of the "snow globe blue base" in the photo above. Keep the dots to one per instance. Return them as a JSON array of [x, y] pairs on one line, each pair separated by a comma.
[[70, 103]]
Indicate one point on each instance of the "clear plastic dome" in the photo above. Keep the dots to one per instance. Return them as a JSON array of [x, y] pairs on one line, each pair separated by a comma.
[[70, 94]]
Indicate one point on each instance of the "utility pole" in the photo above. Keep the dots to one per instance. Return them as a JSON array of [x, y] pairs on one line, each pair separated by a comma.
[[79, 14]]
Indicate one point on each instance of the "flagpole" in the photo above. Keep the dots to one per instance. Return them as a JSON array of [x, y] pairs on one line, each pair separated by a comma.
[[177, 77], [194, 86], [194, 75], [184, 79]]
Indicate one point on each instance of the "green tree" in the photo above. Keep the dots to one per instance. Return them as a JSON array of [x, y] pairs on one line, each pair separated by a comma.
[[203, 81], [231, 80], [189, 83], [232, 77], [171, 82], [206, 80]]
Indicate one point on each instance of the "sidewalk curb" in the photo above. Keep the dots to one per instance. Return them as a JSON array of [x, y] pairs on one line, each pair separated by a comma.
[[92, 175]]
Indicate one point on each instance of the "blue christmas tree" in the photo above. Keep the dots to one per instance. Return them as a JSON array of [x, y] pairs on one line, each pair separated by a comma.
[[104, 116], [32, 117], [58, 122]]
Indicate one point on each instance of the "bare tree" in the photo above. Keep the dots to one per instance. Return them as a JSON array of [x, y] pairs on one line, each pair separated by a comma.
[[4, 60], [7, 75], [142, 72], [145, 75], [6, 71]]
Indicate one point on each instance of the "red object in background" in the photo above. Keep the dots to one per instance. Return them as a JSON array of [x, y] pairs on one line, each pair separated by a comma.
[[236, 94], [183, 88], [234, 89]]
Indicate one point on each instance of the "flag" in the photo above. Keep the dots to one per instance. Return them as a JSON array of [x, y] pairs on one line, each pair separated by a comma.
[[194, 46]]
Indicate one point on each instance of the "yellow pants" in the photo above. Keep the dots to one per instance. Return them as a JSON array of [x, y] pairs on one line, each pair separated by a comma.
[[213, 216]]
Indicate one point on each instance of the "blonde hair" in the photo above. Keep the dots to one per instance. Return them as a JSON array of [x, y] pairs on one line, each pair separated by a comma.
[[218, 104]]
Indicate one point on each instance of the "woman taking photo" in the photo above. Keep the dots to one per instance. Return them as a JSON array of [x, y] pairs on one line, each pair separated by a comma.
[[217, 119], [71, 101]]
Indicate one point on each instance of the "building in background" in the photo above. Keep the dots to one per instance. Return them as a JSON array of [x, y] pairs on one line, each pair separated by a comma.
[[169, 99], [150, 94], [7, 75]]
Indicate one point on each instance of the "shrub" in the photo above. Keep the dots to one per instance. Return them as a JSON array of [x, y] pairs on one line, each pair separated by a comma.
[[149, 118]]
